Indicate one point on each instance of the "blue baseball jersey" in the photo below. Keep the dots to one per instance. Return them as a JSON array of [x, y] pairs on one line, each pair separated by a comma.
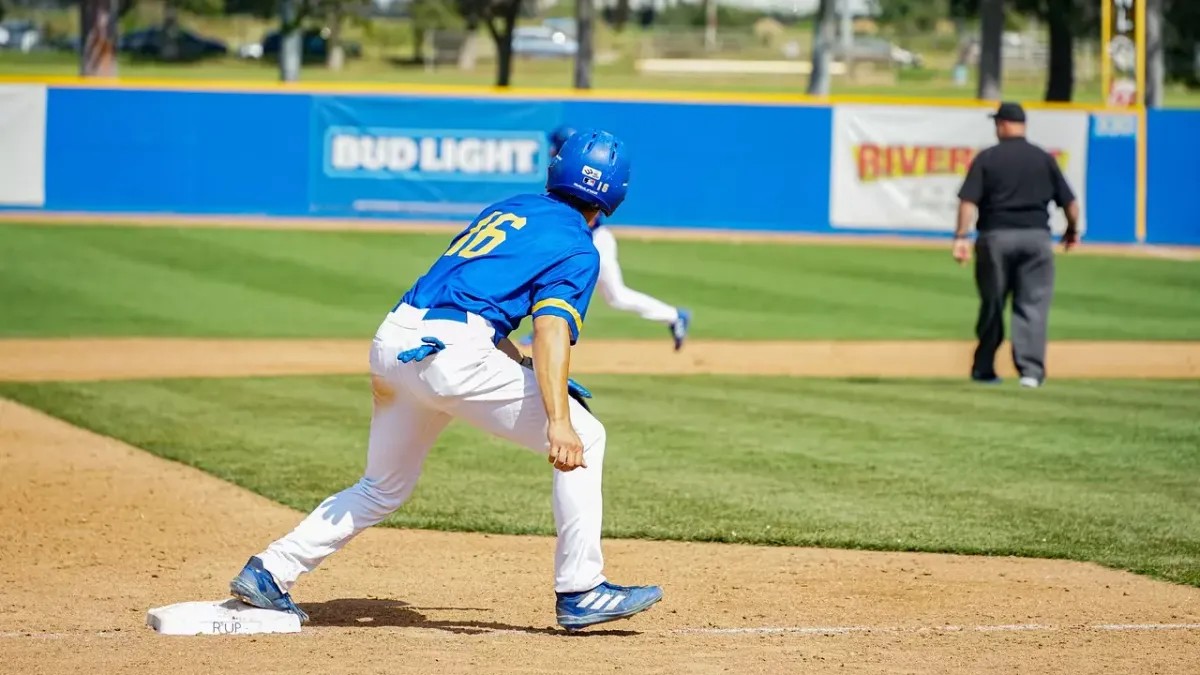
[[525, 256]]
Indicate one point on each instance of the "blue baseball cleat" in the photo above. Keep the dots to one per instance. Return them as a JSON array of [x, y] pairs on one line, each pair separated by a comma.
[[604, 603], [679, 329], [254, 585], [526, 341]]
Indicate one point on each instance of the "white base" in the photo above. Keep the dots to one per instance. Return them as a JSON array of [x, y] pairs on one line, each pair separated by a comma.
[[228, 617]]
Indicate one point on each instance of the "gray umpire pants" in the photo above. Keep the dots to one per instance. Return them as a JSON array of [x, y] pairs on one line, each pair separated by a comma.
[[1018, 263]]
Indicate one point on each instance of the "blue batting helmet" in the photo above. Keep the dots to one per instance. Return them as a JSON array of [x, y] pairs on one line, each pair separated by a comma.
[[592, 167], [558, 137]]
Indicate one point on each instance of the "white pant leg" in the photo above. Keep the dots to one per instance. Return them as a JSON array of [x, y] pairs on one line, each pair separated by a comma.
[[611, 285], [473, 380], [479, 384], [403, 429]]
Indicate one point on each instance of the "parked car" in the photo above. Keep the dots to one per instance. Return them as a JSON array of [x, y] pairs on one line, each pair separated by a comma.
[[871, 49], [565, 26], [314, 45], [20, 35], [151, 43], [543, 42]]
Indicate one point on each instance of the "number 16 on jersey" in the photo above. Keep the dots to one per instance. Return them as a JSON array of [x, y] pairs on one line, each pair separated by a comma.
[[485, 236]]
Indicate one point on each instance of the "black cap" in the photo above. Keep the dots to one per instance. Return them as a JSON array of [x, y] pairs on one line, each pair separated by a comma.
[[1009, 112]]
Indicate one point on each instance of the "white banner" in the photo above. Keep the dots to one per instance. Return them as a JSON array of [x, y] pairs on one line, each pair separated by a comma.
[[22, 145], [900, 167]]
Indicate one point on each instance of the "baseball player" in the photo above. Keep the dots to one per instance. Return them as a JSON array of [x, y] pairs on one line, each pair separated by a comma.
[[612, 283], [443, 352]]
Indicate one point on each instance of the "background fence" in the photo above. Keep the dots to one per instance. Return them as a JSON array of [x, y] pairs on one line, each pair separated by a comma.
[[729, 163]]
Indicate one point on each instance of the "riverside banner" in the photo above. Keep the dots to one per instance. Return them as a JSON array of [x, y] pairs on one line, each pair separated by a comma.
[[899, 168]]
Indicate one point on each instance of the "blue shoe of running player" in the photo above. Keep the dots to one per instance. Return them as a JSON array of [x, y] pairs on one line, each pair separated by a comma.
[[255, 586], [679, 329], [526, 341], [604, 603]]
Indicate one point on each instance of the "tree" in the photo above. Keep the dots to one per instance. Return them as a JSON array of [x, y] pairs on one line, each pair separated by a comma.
[[710, 25], [1155, 73], [1181, 35], [913, 17], [293, 15], [991, 36], [291, 50], [1064, 18], [963, 9], [823, 35], [585, 18], [1172, 33], [500, 17], [620, 15], [169, 50], [98, 38], [336, 13], [1060, 77], [433, 15]]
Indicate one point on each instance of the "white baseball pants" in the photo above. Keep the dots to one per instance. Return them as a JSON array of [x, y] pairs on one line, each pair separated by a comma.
[[611, 284], [414, 402]]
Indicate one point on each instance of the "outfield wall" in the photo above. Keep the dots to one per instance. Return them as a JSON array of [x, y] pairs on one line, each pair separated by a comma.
[[769, 164]]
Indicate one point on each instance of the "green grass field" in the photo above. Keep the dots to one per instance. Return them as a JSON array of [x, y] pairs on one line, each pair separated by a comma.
[[110, 281], [1099, 471]]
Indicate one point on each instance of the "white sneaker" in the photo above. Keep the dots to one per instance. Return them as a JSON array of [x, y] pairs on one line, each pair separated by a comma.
[[1030, 382]]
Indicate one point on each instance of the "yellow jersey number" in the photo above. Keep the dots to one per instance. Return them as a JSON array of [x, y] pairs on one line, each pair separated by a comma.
[[485, 236]]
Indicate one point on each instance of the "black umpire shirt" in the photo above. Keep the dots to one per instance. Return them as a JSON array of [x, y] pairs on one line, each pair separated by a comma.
[[1013, 183]]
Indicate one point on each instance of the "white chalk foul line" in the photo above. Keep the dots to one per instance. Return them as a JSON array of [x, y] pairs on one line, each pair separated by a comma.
[[57, 636], [768, 630], [1147, 626], [1003, 628]]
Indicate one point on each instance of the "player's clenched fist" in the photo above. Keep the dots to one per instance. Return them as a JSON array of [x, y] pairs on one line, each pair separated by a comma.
[[566, 450]]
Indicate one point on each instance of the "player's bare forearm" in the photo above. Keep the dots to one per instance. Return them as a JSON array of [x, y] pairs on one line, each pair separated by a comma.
[[966, 216], [551, 363], [1071, 237], [510, 350], [1072, 212]]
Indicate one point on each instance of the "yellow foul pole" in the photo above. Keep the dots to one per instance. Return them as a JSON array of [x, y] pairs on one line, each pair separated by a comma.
[[1142, 135]]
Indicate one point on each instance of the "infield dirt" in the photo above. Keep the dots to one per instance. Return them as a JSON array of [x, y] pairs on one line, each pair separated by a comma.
[[124, 358]]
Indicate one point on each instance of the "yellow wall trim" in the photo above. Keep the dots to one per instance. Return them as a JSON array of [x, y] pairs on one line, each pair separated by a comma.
[[517, 93]]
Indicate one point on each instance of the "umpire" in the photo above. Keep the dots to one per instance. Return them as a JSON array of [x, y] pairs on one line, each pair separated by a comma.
[[1007, 192]]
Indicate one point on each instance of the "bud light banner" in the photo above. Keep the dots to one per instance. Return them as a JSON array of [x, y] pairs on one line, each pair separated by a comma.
[[424, 158], [899, 168]]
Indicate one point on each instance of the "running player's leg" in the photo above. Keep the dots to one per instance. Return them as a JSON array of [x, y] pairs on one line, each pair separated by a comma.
[[611, 285]]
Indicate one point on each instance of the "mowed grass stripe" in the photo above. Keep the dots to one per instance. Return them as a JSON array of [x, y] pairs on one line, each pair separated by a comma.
[[182, 282], [1087, 470], [110, 281]]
